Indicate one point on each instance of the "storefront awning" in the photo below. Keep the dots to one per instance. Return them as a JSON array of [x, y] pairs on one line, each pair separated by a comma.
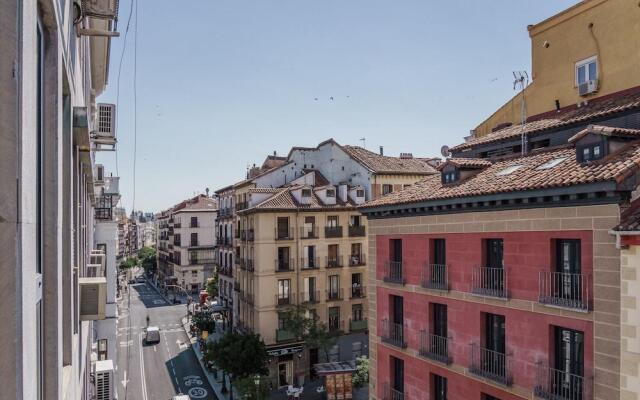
[[339, 367]]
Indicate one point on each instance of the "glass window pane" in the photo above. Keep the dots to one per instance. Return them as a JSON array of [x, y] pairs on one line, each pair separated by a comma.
[[593, 74], [596, 151], [586, 154], [581, 74]]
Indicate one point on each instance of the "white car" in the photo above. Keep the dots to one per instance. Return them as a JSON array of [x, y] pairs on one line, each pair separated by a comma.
[[152, 335], [181, 397]]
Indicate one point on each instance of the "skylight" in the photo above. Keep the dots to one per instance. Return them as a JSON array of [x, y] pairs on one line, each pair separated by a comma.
[[509, 170], [551, 163]]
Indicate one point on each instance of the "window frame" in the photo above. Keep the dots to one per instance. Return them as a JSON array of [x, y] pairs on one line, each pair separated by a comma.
[[386, 186], [585, 63]]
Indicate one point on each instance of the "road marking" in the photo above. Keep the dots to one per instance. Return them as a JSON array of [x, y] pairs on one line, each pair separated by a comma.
[[125, 380], [126, 344], [198, 393], [155, 348], [143, 380]]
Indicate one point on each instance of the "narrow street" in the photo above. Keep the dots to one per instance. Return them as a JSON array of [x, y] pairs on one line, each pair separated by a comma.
[[162, 370]]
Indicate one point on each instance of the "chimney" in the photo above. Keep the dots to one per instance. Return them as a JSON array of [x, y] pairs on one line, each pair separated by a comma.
[[274, 153], [381, 150], [406, 156], [207, 191]]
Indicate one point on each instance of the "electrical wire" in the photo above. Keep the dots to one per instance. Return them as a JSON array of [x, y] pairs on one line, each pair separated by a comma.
[[135, 104], [124, 47]]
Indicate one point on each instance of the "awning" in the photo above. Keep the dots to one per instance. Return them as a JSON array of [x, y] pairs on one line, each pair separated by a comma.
[[339, 367]]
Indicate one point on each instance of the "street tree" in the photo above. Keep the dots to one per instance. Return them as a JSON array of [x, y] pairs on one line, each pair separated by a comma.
[[147, 257], [212, 286], [129, 263], [361, 376], [314, 333], [239, 355]]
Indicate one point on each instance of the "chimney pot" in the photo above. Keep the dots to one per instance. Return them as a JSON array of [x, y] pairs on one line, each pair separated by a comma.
[[381, 150]]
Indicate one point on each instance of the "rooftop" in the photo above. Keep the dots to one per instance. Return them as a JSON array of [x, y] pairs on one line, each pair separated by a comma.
[[284, 200], [389, 165]]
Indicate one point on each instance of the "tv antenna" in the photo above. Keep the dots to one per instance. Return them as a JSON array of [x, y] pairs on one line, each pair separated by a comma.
[[521, 81], [364, 142]]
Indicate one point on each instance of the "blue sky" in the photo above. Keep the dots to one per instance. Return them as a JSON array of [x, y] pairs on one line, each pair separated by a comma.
[[222, 83]]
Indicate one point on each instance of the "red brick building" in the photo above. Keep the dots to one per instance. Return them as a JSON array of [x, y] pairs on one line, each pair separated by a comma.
[[500, 278]]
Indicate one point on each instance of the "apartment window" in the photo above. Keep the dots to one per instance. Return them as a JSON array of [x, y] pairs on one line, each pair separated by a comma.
[[397, 375], [438, 251], [194, 274], [310, 257], [439, 387], [310, 289], [439, 319], [494, 253], [283, 259], [332, 221], [586, 70], [176, 239], [386, 189], [102, 349], [334, 286], [282, 321], [357, 312], [569, 363], [306, 192], [334, 319], [395, 250], [283, 289], [494, 337], [194, 239], [194, 222], [591, 152], [360, 193], [283, 227], [567, 282], [309, 227], [355, 220], [450, 176], [332, 258], [356, 285], [331, 193]]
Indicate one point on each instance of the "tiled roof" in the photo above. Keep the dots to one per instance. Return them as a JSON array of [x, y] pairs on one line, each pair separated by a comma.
[[284, 200], [319, 179], [606, 131], [264, 190], [528, 176], [198, 203], [465, 163], [630, 221], [595, 109], [389, 165]]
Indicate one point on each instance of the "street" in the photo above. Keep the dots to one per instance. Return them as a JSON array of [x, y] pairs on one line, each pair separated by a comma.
[[162, 370]]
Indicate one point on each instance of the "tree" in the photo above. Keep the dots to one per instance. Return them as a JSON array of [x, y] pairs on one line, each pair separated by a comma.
[[203, 321], [315, 334], [319, 337], [129, 263], [212, 286], [147, 257], [240, 355], [361, 375]]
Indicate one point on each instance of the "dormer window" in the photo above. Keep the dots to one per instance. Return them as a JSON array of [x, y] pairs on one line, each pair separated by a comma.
[[450, 176], [306, 192], [592, 152], [360, 193], [331, 193]]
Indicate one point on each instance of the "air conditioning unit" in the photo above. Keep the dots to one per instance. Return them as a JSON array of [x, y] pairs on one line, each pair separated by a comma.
[[93, 298], [105, 380], [105, 132], [588, 87]]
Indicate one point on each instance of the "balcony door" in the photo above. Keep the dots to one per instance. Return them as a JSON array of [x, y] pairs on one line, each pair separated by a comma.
[[495, 333], [310, 288], [397, 310], [283, 227], [395, 250], [439, 252], [494, 277], [397, 371], [440, 320], [310, 254], [568, 269], [569, 362], [334, 286], [283, 258]]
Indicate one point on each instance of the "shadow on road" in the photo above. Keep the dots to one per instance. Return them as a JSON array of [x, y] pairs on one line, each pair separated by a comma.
[[148, 296], [185, 368]]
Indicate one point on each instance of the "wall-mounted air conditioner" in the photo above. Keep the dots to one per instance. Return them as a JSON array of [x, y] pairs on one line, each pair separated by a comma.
[[93, 298], [105, 133], [105, 380], [588, 87]]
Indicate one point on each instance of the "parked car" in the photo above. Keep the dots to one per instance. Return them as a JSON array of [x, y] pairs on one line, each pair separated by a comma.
[[140, 279], [181, 397], [152, 335]]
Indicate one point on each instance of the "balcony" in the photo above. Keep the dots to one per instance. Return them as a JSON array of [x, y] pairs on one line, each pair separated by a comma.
[[389, 393], [284, 300], [358, 292], [249, 265], [490, 282], [559, 289], [177, 225], [284, 265], [310, 263], [333, 262], [241, 205], [434, 276], [236, 286], [393, 334], [393, 272], [491, 365], [434, 347], [177, 242], [193, 243], [357, 325], [284, 234], [334, 295], [242, 234], [356, 231], [357, 260], [335, 325], [311, 297], [333, 231], [283, 335], [250, 235], [309, 232], [553, 384]]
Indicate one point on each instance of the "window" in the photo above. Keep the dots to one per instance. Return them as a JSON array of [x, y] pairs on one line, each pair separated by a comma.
[[309, 228], [194, 222], [331, 193], [332, 221], [283, 227], [194, 239], [494, 337], [591, 152], [386, 189], [194, 273], [332, 256], [356, 312], [551, 164], [509, 170], [334, 287], [397, 375], [360, 193], [283, 288], [569, 363], [102, 349], [306, 192], [450, 176], [586, 70], [438, 251], [439, 319], [439, 387], [283, 259], [494, 253], [334, 319], [395, 250]]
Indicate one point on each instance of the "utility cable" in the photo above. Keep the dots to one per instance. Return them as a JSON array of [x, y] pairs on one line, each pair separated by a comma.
[[135, 104], [124, 47]]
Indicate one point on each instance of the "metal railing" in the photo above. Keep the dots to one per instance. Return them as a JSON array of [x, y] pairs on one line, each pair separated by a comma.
[[309, 233], [243, 234], [284, 233], [283, 335], [358, 325], [332, 231], [310, 263], [393, 272], [358, 292], [564, 290], [434, 276], [333, 262], [284, 300], [554, 384], [393, 333], [355, 231], [489, 282], [284, 265], [434, 347], [333, 295], [491, 365], [389, 393], [311, 297], [356, 260]]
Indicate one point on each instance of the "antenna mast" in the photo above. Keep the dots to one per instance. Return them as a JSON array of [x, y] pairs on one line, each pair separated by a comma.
[[521, 81], [364, 142]]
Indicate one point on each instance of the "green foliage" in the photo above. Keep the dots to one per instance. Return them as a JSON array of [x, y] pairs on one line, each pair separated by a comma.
[[212, 286], [129, 263], [247, 389], [203, 321], [147, 257], [315, 334], [361, 376], [319, 337], [240, 355]]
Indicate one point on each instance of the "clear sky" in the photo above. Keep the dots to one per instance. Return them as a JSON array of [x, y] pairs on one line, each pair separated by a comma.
[[222, 83]]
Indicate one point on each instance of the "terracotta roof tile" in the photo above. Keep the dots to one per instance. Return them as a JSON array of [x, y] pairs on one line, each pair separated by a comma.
[[630, 221], [529, 176], [606, 131], [389, 165], [465, 163], [284, 200]]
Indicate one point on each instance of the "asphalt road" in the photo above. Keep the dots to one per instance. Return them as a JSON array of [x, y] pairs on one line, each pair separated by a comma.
[[162, 370]]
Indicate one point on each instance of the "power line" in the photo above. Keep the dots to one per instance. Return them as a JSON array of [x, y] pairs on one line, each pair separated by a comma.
[[135, 105], [124, 47]]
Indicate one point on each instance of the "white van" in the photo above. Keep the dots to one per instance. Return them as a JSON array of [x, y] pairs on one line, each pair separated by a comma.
[[152, 335]]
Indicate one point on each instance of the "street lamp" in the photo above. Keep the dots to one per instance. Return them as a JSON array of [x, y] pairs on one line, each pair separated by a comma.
[[256, 380]]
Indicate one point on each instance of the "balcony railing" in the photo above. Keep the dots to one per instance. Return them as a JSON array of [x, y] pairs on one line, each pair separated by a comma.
[[356, 260], [333, 261], [177, 242], [283, 335], [434, 347], [357, 325], [490, 282], [564, 290], [491, 365], [334, 295], [355, 231], [358, 292], [241, 205], [284, 234], [242, 234], [393, 334], [553, 384], [284, 265], [309, 232], [193, 243], [249, 265], [250, 235], [333, 231], [310, 263], [284, 300], [311, 297], [434, 276], [389, 393], [393, 272]]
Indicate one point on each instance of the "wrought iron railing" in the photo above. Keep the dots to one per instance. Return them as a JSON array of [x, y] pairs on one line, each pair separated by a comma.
[[393, 333], [554, 384], [491, 365], [490, 282], [564, 290], [393, 272], [434, 347], [434, 276]]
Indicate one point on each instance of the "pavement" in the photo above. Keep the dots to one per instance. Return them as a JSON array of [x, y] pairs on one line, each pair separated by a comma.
[[162, 370]]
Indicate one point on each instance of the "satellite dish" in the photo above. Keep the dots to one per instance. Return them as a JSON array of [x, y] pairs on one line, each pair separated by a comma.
[[444, 150]]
